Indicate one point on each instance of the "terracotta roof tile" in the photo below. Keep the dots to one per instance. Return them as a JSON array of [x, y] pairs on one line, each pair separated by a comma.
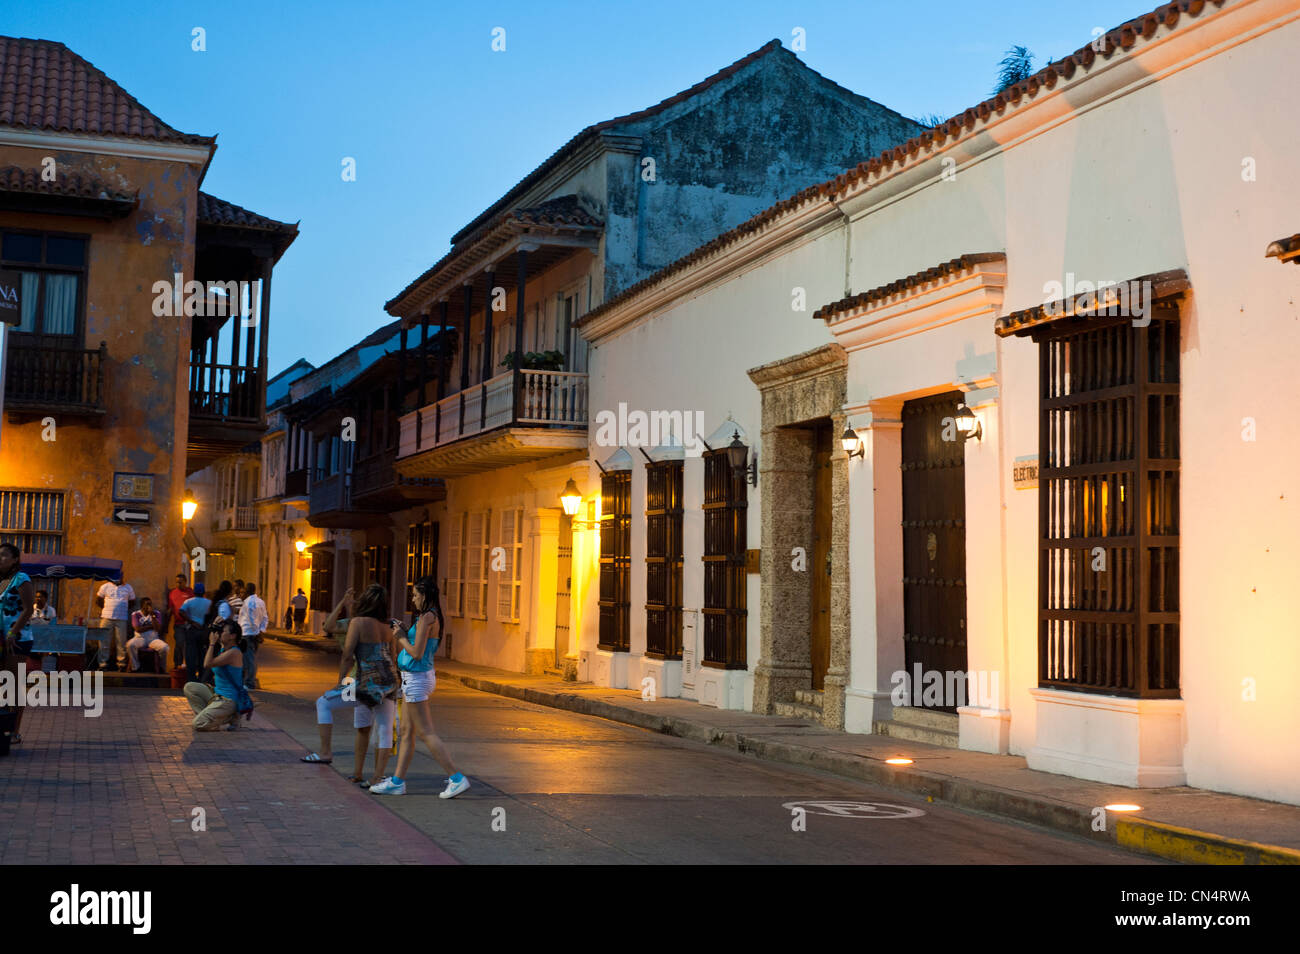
[[1285, 249], [219, 212], [1108, 301], [44, 85], [863, 299], [922, 146], [565, 211], [29, 181]]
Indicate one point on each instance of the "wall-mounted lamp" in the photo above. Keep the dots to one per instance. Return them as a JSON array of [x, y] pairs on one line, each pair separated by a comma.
[[188, 506], [571, 501], [300, 545], [737, 454], [852, 444], [968, 423], [571, 498]]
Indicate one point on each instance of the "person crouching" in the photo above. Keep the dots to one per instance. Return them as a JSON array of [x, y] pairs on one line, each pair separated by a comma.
[[221, 703]]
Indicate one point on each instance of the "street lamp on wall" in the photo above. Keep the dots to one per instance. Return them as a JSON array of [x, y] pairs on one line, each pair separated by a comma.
[[852, 444], [571, 498], [188, 506], [968, 423], [737, 454], [300, 545]]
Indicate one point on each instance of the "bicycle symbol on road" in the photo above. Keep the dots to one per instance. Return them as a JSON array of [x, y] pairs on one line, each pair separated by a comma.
[[853, 809]]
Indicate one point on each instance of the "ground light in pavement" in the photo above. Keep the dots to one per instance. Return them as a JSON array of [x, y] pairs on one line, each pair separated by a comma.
[[898, 761], [1123, 807]]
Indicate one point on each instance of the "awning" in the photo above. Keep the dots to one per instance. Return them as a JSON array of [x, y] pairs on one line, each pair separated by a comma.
[[67, 567], [1121, 299]]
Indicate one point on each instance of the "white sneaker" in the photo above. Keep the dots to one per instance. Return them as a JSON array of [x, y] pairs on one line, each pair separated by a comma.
[[454, 788], [388, 787]]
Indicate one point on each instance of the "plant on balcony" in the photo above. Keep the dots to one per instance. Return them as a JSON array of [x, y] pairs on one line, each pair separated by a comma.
[[537, 361]]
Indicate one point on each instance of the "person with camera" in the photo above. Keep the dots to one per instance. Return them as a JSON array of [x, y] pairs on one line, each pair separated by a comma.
[[223, 702]]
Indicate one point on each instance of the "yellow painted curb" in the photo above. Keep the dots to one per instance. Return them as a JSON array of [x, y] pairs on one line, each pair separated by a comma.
[[1197, 847]]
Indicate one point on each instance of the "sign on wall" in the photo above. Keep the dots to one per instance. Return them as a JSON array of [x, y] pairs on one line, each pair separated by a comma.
[[132, 488], [1024, 472], [11, 290]]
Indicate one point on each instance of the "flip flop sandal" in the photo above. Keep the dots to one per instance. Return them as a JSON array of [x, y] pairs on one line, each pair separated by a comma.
[[358, 779], [315, 758]]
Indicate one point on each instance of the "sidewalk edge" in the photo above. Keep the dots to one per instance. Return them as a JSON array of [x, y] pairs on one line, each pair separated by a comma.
[[1141, 836]]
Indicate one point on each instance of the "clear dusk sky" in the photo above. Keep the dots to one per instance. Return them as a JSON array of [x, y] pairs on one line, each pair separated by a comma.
[[441, 126]]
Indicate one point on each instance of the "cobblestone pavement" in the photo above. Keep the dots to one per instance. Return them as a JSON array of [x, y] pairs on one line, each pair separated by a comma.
[[122, 788]]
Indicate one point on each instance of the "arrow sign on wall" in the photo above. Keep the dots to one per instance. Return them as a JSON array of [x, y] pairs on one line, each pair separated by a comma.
[[127, 515]]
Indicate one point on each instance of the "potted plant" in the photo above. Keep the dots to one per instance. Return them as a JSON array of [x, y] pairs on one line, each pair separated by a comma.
[[537, 361]]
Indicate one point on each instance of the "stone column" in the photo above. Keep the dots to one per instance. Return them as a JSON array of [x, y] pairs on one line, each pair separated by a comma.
[[837, 675]]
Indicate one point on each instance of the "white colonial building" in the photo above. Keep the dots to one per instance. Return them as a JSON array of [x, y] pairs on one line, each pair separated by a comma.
[[970, 462]]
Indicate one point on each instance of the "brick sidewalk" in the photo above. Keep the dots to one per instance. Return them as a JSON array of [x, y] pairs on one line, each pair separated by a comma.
[[121, 789]]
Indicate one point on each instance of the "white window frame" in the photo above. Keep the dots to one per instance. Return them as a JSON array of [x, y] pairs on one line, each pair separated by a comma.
[[477, 526], [453, 585], [510, 537]]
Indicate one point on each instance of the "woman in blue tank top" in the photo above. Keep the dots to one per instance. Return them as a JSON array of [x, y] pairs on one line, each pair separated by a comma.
[[219, 704], [416, 665]]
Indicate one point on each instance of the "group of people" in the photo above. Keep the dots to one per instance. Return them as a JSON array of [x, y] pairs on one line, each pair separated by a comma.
[[384, 663]]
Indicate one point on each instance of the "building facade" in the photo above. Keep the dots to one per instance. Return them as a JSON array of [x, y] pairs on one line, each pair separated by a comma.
[[130, 278], [1021, 486], [507, 430]]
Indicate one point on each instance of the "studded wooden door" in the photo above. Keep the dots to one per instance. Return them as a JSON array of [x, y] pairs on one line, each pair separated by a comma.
[[934, 540]]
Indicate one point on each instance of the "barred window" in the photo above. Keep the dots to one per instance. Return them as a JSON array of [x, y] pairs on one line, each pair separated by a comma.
[[32, 520], [1108, 506], [726, 499], [664, 559], [322, 580], [615, 561], [379, 565]]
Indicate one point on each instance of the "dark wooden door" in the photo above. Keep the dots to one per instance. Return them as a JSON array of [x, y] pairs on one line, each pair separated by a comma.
[[820, 564], [934, 539]]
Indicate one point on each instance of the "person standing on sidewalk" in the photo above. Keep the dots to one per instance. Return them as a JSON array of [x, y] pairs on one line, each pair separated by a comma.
[[253, 621], [176, 596], [192, 631], [299, 604], [17, 603], [44, 613], [416, 664], [115, 602], [236, 599]]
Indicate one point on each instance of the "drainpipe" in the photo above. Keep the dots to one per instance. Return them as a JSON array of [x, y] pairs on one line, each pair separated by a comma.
[[848, 246]]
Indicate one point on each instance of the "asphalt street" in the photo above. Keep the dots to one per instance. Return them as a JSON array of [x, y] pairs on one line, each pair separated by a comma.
[[556, 787]]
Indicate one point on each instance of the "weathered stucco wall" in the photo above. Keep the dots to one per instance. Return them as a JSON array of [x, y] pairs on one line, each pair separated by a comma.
[[146, 387]]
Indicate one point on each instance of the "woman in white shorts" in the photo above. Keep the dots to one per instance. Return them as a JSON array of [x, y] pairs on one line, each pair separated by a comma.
[[415, 662], [344, 695]]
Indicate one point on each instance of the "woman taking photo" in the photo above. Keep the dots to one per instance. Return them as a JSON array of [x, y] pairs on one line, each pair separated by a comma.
[[17, 603], [221, 703], [416, 664]]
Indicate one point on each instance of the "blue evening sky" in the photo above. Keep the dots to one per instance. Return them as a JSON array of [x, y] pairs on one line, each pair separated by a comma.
[[441, 126]]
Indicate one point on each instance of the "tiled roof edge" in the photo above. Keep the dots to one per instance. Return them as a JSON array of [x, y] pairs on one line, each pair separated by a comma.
[[923, 277], [1123, 37]]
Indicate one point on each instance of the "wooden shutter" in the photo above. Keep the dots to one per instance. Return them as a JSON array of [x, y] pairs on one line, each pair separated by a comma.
[[455, 564]]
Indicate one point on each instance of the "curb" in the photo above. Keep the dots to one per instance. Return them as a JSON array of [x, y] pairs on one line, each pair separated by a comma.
[[1152, 838]]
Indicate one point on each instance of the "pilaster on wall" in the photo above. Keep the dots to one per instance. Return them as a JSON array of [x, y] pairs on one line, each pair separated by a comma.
[[875, 548]]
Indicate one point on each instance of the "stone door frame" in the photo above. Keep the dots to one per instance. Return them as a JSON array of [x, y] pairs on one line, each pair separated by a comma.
[[798, 391]]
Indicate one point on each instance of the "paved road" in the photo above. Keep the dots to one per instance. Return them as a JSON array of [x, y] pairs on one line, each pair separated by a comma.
[[577, 789]]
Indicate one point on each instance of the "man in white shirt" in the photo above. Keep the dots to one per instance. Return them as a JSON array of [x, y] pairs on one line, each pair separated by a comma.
[[44, 612], [115, 601], [253, 621]]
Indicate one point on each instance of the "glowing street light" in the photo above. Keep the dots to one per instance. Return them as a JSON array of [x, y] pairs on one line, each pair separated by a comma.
[[571, 498], [188, 506]]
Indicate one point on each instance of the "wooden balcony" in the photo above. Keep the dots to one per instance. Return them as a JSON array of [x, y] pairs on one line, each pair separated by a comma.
[[227, 411], [240, 520], [376, 484], [40, 380], [295, 484], [331, 504], [484, 427]]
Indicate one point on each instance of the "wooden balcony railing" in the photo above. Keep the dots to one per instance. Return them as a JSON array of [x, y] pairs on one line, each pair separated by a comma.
[[549, 399], [228, 393], [376, 474], [328, 494], [63, 379]]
